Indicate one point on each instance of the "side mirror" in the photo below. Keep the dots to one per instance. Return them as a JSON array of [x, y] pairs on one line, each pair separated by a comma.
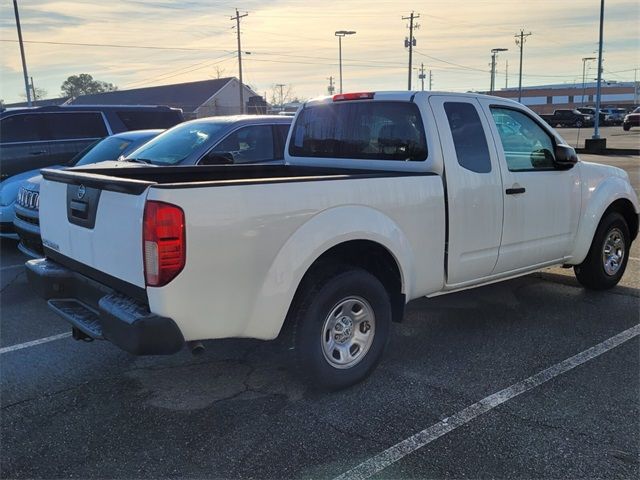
[[565, 157], [218, 158]]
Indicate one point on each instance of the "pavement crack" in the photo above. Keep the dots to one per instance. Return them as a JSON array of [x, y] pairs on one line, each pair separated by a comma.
[[12, 281], [46, 395]]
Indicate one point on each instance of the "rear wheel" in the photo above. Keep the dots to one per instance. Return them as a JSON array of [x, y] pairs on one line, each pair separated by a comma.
[[607, 258], [340, 325], [579, 124], [626, 127]]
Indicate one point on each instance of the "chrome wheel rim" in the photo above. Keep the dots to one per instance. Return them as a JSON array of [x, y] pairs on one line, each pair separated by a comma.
[[347, 332], [613, 252]]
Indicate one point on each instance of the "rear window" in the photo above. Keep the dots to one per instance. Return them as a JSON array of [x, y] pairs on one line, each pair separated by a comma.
[[142, 120], [361, 131], [74, 125]]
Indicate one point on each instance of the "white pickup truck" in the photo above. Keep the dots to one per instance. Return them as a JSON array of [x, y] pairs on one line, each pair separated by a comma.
[[385, 197]]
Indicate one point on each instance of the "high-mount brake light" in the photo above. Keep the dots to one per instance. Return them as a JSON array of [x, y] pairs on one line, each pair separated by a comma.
[[353, 96], [163, 242]]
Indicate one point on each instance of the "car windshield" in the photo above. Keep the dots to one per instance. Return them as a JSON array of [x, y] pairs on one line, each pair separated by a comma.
[[177, 143], [109, 148], [637, 110]]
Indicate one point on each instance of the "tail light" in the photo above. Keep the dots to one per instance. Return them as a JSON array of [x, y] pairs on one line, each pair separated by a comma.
[[163, 242]]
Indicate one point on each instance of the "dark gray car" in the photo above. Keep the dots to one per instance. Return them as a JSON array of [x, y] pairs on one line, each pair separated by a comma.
[[218, 140]]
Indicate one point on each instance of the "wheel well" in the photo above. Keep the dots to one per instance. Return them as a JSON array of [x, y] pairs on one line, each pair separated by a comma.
[[372, 257], [625, 208]]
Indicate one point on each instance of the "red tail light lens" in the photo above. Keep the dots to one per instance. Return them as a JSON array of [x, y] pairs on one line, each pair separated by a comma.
[[353, 96], [163, 242]]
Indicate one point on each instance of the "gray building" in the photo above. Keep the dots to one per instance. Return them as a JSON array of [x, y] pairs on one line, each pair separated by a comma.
[[196, 99]]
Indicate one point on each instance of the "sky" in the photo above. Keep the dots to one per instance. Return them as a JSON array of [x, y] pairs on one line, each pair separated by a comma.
[[292, 42]]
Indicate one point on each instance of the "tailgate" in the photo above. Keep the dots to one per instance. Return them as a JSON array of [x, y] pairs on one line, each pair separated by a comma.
[[95, 220]]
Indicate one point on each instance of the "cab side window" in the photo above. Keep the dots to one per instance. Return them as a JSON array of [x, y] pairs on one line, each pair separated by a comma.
[[527, 146], [249, 144], [468, 136]]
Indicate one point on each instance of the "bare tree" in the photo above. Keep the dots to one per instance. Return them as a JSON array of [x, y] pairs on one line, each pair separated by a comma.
[[281, 94]]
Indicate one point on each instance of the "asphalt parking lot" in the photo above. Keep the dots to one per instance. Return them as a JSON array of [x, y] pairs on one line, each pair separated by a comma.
[[88, 410], [616, 137]]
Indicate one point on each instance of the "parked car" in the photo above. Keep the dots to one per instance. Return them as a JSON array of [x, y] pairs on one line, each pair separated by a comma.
[[327, 249], [568, 118], [38, 137], [631, 120], [33, 138], [604, 118], [215, 140], [615, 116], [26, 220]]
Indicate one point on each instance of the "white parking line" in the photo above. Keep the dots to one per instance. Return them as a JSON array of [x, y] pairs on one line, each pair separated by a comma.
[[10, 267], [381, 461], [33, 343]]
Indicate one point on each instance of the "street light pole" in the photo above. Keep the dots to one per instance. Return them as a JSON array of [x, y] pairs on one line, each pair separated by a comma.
[[340, 34], [596, 128], [24, 61], [584, 63], [494, 52]]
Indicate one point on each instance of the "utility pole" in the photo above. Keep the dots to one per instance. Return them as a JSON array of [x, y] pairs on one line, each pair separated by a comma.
[[635, 87], [430, 79], [24, 61], [411, 41], [281, 86], [596, 120], [506, 76], [331, 88], [494, 52], [520, 39], [241, 87], [422, 76], [33, 90]]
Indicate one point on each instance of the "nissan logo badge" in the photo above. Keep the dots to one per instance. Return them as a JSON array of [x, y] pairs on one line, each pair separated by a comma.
[[81, 192]]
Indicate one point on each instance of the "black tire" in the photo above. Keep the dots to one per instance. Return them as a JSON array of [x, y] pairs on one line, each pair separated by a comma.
[[591, 273], [318, 297], [578, 124], [626, 128]]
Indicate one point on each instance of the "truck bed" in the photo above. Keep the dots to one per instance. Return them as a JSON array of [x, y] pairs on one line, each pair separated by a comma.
[[135, 179]]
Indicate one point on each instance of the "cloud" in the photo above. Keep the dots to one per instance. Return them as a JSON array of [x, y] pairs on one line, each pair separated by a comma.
[[293, 42]]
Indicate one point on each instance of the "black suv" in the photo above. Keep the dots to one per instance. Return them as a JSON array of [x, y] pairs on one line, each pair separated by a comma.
[[38, 137]]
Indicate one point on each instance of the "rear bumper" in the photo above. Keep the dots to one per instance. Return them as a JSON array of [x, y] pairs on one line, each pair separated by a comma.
[[100, 312]]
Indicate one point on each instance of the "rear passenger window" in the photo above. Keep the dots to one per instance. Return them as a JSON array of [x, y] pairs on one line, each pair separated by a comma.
[[362, 131], [141, 120], [21, 128], [73, 125], [468, 135]]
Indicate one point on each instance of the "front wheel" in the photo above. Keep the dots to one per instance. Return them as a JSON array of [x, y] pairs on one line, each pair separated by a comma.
[[607, 258], [579, 124], [626, 127], [341, 323]]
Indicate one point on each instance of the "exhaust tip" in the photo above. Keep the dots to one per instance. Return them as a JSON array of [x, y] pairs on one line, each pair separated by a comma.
[[196, 347]]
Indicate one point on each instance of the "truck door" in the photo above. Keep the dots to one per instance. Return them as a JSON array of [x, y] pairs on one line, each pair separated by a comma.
[[473, 188], [541, 203]]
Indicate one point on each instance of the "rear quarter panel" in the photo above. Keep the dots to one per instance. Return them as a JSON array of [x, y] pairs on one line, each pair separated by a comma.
[[248, 246]]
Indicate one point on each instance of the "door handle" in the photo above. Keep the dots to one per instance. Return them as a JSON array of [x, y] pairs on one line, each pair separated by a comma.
[[38, 152], [515, 191]]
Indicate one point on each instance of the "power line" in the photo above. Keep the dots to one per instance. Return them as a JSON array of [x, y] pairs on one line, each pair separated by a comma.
[[111, 45]]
